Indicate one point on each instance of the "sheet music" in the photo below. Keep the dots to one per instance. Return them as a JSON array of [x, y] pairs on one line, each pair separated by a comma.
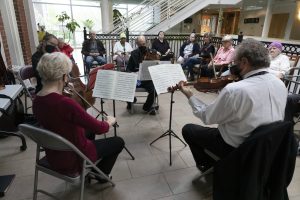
[[166, 75], [144, 74], [115, 85], [164, 62]]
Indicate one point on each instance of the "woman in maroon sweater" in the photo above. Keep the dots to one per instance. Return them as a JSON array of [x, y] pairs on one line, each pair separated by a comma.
[[65, 117]]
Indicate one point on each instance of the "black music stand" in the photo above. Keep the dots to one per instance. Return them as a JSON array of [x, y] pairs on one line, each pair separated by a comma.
[[115, 126], [170, 132], [115, 130]]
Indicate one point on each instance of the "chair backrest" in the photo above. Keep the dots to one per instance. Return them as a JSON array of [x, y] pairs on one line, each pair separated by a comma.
[[26, 72]]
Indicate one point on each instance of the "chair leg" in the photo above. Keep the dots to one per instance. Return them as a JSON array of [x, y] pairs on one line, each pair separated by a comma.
[[36, 173], [82, 179]]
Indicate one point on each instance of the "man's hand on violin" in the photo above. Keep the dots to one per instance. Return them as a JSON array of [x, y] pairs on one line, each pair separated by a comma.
[[184, 89], [111, 120]]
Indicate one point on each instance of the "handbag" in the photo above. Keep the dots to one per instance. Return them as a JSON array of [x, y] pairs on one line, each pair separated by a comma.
[[13, 115]]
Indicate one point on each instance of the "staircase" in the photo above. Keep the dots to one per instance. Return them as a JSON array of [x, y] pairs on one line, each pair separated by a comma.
[[152, 16]]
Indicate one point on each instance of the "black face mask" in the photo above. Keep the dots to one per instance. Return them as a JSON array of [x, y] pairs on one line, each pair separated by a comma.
[[143, 49], [50, 48], [235, 70]]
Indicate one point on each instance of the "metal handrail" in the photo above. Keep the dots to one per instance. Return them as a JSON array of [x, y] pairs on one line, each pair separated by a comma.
[[145, 12]]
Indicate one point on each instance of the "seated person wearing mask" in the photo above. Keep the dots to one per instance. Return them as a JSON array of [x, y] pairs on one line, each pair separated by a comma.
[[280, 63], [93, 50], [137, 57], [162, 47], [239, 108], [189, 49], [68, 119], [122, 50], [49, 44]]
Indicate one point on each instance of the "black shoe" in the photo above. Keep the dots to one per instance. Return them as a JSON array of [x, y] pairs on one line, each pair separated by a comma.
[[134, 100], [152, 112], [100, 180], [203, 168], [128, 106]]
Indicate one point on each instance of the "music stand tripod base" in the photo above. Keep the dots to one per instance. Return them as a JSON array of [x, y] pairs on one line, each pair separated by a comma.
[[170, 132]]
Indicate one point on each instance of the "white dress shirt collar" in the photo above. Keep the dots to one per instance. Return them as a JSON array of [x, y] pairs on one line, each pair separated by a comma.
[[254, 72]]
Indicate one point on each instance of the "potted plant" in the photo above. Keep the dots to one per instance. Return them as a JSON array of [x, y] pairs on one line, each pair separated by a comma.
[[71, 25], [89, 24]]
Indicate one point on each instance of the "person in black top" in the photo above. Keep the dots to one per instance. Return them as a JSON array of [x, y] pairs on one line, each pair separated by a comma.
[[162, 47], [205, 51], [49, 44], [137, 57]]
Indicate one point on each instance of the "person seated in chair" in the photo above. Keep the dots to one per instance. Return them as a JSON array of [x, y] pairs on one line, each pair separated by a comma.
[[188, 49], [48, 45], [137, 57], [65, 48], [65, 117], [205, 51], [93, 50], [223, 57], [122, 50], [280, 63], [239, 108], [162, 47]]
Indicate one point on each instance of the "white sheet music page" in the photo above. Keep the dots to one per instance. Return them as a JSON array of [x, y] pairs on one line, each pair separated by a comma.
[[144, 74], [115, 85], [166, 75]]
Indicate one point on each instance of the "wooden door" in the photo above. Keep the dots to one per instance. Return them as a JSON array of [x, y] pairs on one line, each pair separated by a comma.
[[278, 25]]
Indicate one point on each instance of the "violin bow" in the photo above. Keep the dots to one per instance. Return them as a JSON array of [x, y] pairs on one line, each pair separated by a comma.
[[213, 65]]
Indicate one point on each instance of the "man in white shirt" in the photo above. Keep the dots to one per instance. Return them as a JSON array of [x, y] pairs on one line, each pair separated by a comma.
[[280, 63], [122, 50], [258, 99]]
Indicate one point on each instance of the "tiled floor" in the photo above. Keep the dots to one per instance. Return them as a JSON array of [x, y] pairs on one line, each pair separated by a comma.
[[149, 176]]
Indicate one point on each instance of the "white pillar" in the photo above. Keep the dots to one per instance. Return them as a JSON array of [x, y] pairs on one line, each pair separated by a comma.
[[106, 15], [11, 30], [31, 24], [220, 22], [290, 23], [268, 18]]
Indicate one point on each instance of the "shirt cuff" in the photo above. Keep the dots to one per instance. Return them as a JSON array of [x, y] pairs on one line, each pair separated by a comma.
[[193, 101]]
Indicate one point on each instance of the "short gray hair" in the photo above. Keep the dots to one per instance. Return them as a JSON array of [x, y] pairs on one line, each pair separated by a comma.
[[52, 66], [255, 52]]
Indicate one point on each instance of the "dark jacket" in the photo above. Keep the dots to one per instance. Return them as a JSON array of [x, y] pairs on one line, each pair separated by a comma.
[[86, 47], [196, 48], [207, 49], [35, 60], [161, 47], [136, 58], [259, 169]]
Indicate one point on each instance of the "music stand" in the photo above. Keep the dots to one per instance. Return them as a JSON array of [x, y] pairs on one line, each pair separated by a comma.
[[115, 126], [170, 132]]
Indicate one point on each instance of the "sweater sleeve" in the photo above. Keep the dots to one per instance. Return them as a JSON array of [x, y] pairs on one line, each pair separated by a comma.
[[79, 116]]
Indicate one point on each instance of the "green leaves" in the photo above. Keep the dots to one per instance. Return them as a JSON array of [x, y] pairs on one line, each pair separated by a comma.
[[72, 25]]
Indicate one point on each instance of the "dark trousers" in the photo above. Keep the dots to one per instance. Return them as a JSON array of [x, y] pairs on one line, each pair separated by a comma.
[[108, 150], [292, 107], [199, 138], [148, 85]]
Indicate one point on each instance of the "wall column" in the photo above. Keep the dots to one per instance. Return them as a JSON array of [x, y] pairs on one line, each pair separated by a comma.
[[220, 22], [268, 18], [11, 28], [106, 15], [31, 24]]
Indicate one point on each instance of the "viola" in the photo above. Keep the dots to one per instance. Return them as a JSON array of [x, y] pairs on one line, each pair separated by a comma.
[[80, 88], [206, 84]]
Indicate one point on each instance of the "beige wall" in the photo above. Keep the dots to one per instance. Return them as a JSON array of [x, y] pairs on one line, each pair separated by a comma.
[[252, 29], [296, 25]]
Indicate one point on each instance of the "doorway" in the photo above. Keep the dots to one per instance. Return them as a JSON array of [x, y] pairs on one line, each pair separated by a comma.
[[278, 25]]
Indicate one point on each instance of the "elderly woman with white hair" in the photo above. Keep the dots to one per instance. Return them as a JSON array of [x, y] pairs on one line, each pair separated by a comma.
[[65, 117], [280, 63]]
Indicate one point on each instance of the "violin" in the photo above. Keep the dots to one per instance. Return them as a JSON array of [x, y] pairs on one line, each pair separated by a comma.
[[151, 55], [206, 84]]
